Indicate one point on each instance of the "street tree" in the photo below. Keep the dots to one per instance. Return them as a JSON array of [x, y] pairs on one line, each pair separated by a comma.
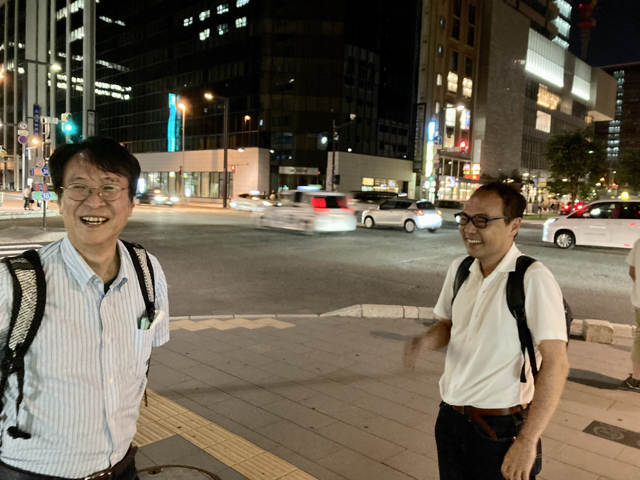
[[574, 156], [628, 169]]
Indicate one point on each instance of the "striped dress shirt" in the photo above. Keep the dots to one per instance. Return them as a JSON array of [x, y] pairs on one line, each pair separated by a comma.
[[85, 371]]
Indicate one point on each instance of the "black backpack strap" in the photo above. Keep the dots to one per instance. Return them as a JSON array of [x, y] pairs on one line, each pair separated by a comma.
[[516, 301], [29, 300], [461, 276], [144, 271]]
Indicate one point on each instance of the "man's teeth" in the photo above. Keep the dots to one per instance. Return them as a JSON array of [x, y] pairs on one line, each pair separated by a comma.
[[473, 241], [94, 220]]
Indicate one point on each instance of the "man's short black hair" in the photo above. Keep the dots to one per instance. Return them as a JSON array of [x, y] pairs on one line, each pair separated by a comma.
[[104, 153], [513, 201]]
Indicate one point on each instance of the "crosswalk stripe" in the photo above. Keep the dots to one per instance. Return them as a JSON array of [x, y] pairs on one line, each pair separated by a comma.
[[12, 252], [31, 245]]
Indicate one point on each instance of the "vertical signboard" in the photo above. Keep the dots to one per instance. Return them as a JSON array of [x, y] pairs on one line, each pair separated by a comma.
[[171, 126], [418, 153], [36, 120]]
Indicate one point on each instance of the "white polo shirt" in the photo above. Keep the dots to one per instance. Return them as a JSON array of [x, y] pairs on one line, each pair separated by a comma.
[[484, 358], [633, 259]]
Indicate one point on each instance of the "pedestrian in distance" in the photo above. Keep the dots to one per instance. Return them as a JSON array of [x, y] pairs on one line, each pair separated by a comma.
[[26, 197], [633, 259], [491, 417], [72, 401], [273, 195]]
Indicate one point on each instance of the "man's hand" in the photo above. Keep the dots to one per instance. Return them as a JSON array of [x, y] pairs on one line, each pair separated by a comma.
[[518, 461], [411, 351]]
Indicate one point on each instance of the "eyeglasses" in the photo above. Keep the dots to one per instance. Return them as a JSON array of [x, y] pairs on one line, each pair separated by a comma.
[[479, 221], [80, 192]]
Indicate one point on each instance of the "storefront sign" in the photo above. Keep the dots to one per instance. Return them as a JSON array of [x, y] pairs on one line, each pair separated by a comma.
[[418, 150], [298, 171]]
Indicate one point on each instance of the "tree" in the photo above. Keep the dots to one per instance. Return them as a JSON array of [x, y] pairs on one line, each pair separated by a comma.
[[575, 156], [628, 169]]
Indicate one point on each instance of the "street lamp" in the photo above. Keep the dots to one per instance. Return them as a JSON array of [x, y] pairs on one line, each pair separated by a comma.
[[183, 107], [335, 141], [225, 144]]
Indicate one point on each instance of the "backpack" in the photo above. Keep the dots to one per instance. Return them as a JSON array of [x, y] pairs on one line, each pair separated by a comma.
[[29, 300], [515, 302]]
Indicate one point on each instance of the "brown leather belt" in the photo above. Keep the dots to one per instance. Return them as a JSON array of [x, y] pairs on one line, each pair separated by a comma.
[[476, 415]]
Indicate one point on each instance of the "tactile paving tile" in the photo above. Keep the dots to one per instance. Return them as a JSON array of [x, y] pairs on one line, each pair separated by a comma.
[[298, 475], [233, 451], [160, 411], [272, 322], [264, 467], [208, 436], [184, 422], [150, 433], [228, 324]]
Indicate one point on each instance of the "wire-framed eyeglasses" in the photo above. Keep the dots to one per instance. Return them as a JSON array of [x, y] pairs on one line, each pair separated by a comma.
[[479, 221], [80, 192]]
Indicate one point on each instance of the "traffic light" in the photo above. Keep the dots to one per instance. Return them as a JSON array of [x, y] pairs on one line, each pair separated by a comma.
[[324, 141], [232, 168], [463, 145], [431, 178], [69, 126]]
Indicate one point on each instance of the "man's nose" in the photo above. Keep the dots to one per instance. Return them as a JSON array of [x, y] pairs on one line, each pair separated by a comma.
[[94, 197]]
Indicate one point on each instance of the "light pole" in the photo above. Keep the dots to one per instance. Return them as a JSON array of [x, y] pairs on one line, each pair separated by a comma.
[[183, 107], [225, 144], [333, 149]]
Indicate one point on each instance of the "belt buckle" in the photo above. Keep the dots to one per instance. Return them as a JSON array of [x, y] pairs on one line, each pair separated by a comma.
[[105, 475]]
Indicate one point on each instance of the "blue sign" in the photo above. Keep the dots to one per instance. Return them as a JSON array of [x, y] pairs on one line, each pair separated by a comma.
[[171, 125], [45, 171], [431, 130], [437, 141], [46, 195], [36, 120]]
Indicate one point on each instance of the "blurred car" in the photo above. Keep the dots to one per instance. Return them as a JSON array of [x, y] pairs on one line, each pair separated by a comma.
[[406, 213], [605, 223], [570, 207], [452, 204], [309, 212], [361, 201], [251, 201], [155, 197]]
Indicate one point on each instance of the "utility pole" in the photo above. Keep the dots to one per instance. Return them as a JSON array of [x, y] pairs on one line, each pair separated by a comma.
[[333, 149], [67, 98], [225, 144], [4, 87], [16, 170], [88, 68], [54, 76]]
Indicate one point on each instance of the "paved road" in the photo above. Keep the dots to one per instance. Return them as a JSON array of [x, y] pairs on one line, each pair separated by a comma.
[[216, 262]]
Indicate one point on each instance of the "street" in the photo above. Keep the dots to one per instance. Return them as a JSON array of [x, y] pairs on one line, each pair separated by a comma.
[[216, 262]]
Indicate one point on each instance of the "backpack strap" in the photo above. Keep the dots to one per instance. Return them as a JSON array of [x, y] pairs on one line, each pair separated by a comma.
[[146, 279], [516, 301], [29, 300], [461, 276]]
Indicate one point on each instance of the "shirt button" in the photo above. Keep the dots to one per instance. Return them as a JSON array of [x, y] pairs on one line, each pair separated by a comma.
[[111, 380], [109, 340], [112, 421]]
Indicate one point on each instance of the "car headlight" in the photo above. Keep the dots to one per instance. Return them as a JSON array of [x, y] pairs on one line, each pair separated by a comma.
[[159, 198], [174, 199]]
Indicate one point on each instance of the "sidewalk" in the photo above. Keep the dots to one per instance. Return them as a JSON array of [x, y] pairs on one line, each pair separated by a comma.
[[304, 397], [12, 208]]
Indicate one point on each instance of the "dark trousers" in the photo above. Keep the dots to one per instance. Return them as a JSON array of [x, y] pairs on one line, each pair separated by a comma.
[[10, 473], [467, 452]]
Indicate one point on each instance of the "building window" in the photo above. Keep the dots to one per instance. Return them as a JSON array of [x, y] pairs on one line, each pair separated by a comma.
[[547, 99], [453, 61], [241, 3], [452, 82], [468, 67], [188, 21], [205, 34], [241, 22], [224, 8], [204, 15], [543, 121], [223, 28], [439, 80], [457, 8], [472, 14], [467, 87], [455, 28], [437, 108], [471, 35]]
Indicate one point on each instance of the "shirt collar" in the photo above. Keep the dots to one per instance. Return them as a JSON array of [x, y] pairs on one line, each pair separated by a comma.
[[83, 273], [507, 264]]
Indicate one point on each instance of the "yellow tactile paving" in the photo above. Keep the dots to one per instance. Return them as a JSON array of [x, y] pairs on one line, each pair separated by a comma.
[[265, 466], [228, 324], [164, 418]]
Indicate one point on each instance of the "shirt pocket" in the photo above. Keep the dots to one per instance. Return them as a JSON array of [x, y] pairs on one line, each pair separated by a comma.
[[142, 348]]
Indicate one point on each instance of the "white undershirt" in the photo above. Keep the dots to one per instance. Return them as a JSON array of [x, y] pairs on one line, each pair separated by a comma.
[[484, 360]]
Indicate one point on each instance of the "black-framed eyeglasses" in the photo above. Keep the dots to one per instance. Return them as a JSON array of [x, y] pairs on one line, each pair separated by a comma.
[[80, 192], [479, 221]]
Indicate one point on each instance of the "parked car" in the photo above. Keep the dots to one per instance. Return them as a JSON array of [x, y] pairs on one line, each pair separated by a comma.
[[309, 212], [605, 223], [251, 201], [155, 197], [453, 204], [406, 213], [361, 201], [570, 207]]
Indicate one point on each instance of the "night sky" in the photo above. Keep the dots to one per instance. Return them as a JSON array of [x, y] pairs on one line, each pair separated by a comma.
[[616, 36]]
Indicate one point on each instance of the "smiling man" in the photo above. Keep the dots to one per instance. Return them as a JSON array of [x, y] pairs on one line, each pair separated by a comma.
[[85, 373], [492, 417]]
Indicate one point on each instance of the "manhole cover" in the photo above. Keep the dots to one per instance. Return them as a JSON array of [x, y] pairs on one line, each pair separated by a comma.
[[175, 472], [610, 433]]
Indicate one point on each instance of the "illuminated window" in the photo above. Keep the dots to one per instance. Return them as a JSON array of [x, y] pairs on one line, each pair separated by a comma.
[[439, 80], [545, 59], [224, 8], [222, 29], [241, 3], [204, 15], [452, 82], [465, 119], [204, 35], [547, 99], [437, 107], [188, 21], [450, 116], [467, 87], [241, 22], [543, 121]]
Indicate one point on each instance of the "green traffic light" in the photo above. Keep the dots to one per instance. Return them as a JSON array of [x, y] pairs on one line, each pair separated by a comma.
[[68, 127]]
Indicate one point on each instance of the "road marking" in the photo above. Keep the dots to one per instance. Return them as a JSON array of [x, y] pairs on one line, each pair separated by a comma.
[[184, 324], [8, 250], [164, 418]]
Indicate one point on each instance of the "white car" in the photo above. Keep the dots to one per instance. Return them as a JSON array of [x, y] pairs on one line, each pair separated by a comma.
[[406, 213], [251, 201], [309, 212], [605, 223]]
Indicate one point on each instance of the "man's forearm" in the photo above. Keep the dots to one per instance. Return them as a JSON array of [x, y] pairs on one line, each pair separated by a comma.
[[438, 336], [549, 387]]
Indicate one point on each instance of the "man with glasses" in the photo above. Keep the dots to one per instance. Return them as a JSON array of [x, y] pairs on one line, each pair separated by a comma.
[[85, 373], [490, 422]]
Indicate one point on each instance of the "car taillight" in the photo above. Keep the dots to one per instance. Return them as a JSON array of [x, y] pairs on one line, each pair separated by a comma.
[[318, 202], [420, 213], [579, 207], [440, 212]]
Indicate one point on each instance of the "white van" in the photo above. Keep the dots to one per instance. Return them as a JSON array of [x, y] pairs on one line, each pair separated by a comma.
[[309, 212], [605, 223]]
